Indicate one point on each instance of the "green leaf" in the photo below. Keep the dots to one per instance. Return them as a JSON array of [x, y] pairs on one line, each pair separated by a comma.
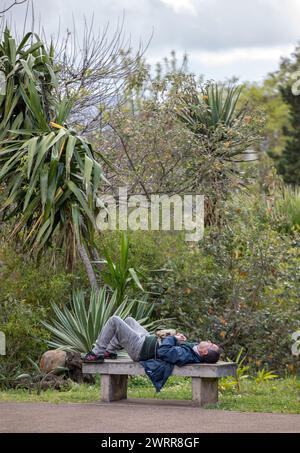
[[69, 153], [12, 51], [24, 41], [135, 278], [88, 168], [32, 148], [44, 185], [28, 70], [32, 49], [80, 197]]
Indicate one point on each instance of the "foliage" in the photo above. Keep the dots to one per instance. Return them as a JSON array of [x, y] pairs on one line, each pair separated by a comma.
[[144, 141], [264, 375], [288, 163], [49, 175], [77, 328], [37, 285], [157, 150], [266, 97], [276, 97], [40, 380], [21, 323], [234, 382], [8, 375], [26, 293], [239, 288], [226, 138], [120, 276], [214, 105], [286, 209], [224, 132]]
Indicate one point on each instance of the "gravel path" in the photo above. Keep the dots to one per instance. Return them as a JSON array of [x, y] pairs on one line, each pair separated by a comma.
[[137, 416]]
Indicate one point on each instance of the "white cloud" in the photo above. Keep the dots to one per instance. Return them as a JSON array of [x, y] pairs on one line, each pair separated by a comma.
[[182, 6], [244, 54], [222, 37]]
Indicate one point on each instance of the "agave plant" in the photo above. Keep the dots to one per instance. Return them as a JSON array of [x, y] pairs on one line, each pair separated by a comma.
[[49, 175], [77, 328]]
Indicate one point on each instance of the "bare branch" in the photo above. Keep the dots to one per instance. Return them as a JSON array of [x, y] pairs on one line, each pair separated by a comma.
[[94, 71], [16, 2]]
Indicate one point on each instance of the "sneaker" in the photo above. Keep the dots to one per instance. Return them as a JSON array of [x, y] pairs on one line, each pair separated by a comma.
[[110, 355], [91, 357]]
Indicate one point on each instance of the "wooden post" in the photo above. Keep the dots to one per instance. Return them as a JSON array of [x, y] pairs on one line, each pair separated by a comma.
[[113, 387], [204, 391]]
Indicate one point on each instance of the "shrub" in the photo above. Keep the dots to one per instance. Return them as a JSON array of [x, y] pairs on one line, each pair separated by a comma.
[[37, 285], [21, 323], [238, 287], [286, 209]]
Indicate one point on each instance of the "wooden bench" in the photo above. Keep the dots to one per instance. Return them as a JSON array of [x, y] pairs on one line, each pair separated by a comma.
[[114, 377]]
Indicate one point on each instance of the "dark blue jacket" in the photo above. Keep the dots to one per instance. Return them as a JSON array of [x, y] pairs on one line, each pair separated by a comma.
[[169, 353]]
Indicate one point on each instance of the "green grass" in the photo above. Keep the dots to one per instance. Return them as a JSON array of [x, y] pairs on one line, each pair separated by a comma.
[[281, 395]]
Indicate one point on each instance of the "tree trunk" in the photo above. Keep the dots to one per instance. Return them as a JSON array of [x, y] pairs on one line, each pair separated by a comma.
[[88, 265]]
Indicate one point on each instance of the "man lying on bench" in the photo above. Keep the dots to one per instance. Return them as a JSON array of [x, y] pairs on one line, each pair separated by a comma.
[[157, 355]]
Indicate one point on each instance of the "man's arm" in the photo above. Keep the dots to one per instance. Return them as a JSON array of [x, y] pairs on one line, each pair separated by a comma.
[[170, 352]]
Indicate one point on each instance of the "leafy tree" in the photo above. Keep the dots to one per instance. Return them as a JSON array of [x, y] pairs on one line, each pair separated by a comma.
[[225, 138], [266, 96], [49, 174], [155, 142], [143, 138], [288, 163]]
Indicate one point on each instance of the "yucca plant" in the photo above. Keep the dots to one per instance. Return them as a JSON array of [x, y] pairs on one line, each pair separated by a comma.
[[77, 328], [224, 134], [211, 106], [49, 175]]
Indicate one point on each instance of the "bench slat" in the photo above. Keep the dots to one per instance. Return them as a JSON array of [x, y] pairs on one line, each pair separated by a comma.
[[130, 368]]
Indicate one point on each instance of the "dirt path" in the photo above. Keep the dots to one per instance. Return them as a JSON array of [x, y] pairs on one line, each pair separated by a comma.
[[135, 416]]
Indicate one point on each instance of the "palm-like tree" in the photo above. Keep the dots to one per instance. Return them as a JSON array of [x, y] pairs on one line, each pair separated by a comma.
[[224, 133], [49, 175]]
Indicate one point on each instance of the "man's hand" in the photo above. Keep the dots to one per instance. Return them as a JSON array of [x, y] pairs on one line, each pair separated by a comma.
[[180, 337]]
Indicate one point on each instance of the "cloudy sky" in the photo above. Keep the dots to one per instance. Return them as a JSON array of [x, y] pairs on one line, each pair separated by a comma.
[[244, 38]]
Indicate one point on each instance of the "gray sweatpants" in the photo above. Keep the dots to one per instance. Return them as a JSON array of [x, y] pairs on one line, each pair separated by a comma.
[[118, 334]]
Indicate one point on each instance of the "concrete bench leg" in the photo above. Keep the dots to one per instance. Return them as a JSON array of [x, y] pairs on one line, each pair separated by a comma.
[[204, 391], [113, 387]]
